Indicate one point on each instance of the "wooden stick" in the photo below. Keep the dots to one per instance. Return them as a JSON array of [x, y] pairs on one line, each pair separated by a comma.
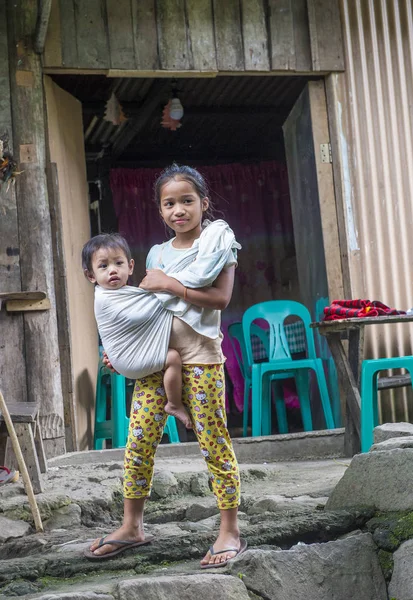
[[22, 465]]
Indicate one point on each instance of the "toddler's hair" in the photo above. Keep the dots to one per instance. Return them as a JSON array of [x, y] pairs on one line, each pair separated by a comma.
[[183, 173], [112, 241]]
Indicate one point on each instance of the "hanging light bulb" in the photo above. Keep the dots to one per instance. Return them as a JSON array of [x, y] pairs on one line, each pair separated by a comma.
[[176, 109]]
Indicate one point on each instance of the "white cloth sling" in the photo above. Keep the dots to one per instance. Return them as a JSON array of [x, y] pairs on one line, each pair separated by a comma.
[[135, 325]]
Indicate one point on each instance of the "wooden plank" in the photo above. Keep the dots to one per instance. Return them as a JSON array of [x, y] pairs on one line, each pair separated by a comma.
[[326, 37], [157, 74], [38, 442], [120, 28], [22, 412], [24, 432], [52, 56], [283, 56], [302, 44], [339, 149], [174, 52], [201, 35], [27, 305], [228, 35], [40, 328], [12, 363], [42, 24], [62, 303], [145, 34], [394, 381], [22, 295], [325, 183], [68, 33], [255, 35], [356, 322], [91, 34], [352, 394]]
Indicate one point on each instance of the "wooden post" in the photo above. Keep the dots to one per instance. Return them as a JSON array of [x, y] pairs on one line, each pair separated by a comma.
[[12, 364], [36, 252]]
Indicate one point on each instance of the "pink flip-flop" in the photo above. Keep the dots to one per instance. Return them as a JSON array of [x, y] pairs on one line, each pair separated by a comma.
[[243, 546], [122, 546], [8, 476]]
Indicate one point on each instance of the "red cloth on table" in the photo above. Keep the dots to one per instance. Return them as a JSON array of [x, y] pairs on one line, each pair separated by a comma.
[[348, 309]]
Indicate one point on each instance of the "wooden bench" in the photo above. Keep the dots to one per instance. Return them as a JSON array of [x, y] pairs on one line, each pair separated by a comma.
[[24, 416]]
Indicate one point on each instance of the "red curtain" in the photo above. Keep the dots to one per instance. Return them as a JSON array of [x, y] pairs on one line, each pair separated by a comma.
[[253, 198]]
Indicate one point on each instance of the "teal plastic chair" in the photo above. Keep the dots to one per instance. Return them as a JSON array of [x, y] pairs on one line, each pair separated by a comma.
[[280, 362], [116, 427], [369, 406], [329, 366], [171, 430], [236, 333]]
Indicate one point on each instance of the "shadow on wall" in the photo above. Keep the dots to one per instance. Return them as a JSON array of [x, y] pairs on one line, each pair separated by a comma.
[[85, 400]]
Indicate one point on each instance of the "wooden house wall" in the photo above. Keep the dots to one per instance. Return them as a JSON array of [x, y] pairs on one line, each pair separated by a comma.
[[207, 36]]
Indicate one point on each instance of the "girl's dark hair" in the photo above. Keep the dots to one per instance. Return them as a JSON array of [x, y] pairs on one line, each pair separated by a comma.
[[113, 241], [184, 173]]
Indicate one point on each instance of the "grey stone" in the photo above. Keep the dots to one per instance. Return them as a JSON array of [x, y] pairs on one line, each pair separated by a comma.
[[379, 480], [76, 596], [12, 529], [20, 588], [199, 485], [341, 570], [281, 503], [66, 517], [198, 512], [392, 443], [200, 526], [391, 430], [207, 587], [401, 584], [164, 484]]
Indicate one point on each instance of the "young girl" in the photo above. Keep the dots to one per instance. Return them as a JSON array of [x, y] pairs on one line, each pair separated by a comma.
[[182, 197]]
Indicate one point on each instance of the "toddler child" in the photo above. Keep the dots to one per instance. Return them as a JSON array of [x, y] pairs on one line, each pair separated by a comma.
[[107, 262]]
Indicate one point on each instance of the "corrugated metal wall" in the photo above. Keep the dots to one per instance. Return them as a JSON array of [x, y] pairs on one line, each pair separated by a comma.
[[373, 104]]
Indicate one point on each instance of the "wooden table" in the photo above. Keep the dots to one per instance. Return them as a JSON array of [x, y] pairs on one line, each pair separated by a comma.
[[349, 365]]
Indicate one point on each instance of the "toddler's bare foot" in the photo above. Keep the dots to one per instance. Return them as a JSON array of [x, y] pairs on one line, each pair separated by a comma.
[[180, 413]]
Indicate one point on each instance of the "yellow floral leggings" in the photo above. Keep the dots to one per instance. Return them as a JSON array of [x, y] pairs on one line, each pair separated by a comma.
[[204, 397]]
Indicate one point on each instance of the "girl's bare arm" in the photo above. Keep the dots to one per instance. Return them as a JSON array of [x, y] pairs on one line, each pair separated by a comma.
[[217, 296]]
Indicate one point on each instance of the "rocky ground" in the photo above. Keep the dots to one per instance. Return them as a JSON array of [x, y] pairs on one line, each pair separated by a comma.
[[297, 548]]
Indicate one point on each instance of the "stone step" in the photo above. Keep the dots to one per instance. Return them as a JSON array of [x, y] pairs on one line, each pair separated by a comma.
[[60, 555]]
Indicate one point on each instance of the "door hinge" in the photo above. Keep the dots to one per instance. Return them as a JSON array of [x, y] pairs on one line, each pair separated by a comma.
[[325, 153]]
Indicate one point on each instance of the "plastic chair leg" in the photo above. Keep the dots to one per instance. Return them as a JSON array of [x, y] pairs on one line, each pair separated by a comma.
[[325, 400], [375, 394], [171, 430], [247, 388], [118, 415], [100, 411], [303, 389], [256, 389], [266, 406], [280, 408], [367, 408]]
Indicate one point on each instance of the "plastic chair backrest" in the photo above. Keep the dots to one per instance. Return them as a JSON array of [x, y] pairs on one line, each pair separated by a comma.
[[236, 333], [275, 312]]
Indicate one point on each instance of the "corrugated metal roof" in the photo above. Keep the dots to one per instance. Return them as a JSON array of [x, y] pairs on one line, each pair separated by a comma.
[[257, 107]]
